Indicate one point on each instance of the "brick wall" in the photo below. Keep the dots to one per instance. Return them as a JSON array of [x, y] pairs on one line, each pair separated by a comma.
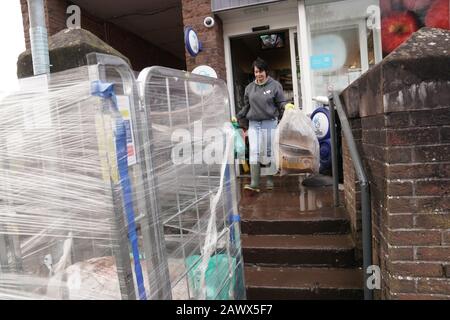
[[352, 190], [25, 22], [55, 17], [140, 52], [213, 54], [403, 107], [419, 182]]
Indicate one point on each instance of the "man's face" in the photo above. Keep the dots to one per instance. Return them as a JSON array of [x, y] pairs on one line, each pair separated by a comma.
[[260, 75]]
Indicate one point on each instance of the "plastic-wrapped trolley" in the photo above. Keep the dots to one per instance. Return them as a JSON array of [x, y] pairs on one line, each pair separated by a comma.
[[90, 207]]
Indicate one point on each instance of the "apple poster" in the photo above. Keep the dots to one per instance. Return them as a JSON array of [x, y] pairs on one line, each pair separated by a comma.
[[400, 18]]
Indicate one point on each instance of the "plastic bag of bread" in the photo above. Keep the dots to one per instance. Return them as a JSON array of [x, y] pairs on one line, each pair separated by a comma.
[[296, 145]]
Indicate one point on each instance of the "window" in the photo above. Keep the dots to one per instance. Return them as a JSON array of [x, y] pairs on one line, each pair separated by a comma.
[[339, 43]]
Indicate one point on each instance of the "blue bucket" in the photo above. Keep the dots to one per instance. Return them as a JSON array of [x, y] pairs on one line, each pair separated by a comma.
[[321, 122], [325, 154]]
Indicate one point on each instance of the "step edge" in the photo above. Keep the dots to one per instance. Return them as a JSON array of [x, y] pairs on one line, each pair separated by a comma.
[[298, 220], [299, 248], [301, 239], [306, 288]]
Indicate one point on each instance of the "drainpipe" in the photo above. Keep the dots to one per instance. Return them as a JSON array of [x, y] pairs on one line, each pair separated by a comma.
[[38, 37]]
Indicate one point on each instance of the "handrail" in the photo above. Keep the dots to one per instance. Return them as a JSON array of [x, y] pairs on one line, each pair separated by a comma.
[[336, 104]]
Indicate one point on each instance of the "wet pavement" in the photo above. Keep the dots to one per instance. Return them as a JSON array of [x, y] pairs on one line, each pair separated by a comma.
[[289, 199]]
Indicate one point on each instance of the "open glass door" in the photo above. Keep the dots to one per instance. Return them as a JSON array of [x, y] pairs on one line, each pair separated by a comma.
[[279, 48], [295, 66]]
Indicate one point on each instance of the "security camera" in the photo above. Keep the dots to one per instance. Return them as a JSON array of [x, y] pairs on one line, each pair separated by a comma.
[[209, 22]]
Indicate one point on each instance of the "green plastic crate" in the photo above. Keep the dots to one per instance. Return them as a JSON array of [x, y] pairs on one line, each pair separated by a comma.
[[217, 277]]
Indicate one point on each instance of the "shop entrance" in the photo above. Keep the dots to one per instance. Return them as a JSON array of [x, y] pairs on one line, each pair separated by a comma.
[[277, 48]]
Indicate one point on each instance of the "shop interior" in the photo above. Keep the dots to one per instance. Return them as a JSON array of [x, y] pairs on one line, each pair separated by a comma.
[[343, 47], [273, 47]]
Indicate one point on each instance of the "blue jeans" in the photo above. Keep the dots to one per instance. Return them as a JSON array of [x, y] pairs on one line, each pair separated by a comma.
[[260, 137]]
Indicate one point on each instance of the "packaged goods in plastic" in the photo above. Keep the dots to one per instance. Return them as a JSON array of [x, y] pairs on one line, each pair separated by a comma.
[[296, 145], [92, 205]]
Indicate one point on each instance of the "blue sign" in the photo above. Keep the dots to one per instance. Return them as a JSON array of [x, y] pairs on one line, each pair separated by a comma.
[[192, 42], [321, 61]]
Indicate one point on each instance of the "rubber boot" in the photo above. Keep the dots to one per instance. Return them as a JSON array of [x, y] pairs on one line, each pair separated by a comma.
[[269, 183], [255, 171]]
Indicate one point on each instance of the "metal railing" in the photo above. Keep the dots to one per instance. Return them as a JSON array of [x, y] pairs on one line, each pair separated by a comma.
[[336, 104]]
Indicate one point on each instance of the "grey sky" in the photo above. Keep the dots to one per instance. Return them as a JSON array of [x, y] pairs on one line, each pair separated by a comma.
[[13, 44]]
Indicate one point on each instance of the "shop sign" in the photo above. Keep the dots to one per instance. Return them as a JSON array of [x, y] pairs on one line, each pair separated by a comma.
[[193, 45], [321, 61], [203, 88], [220, 5]]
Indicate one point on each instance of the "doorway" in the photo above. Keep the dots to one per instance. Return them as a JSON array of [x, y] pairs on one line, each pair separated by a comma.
[[280, 50], [275, 47]]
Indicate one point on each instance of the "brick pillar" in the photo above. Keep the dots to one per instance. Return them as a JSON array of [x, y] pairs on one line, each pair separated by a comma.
[[403, 105], [213, 54], [25, 22], [55, 16]]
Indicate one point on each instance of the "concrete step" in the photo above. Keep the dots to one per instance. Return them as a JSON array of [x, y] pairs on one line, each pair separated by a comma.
[[295, 222], [303, 283], [288, 195], [299, 250]]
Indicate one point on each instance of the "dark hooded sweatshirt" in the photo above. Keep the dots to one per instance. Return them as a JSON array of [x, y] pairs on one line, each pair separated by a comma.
[[263, 102]]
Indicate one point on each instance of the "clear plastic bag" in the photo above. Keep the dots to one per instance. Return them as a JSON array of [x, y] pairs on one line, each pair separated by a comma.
[[296, 145]]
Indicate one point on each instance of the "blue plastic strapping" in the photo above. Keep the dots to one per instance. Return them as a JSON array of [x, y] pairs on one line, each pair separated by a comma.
[[106, 91], [235, 218]]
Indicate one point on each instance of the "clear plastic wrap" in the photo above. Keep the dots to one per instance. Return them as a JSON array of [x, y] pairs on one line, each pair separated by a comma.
[[296, 145], [198, 200], [92, 205]]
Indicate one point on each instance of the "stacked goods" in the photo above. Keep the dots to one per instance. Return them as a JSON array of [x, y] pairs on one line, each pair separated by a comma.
[[92, 205], [67, 200]]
